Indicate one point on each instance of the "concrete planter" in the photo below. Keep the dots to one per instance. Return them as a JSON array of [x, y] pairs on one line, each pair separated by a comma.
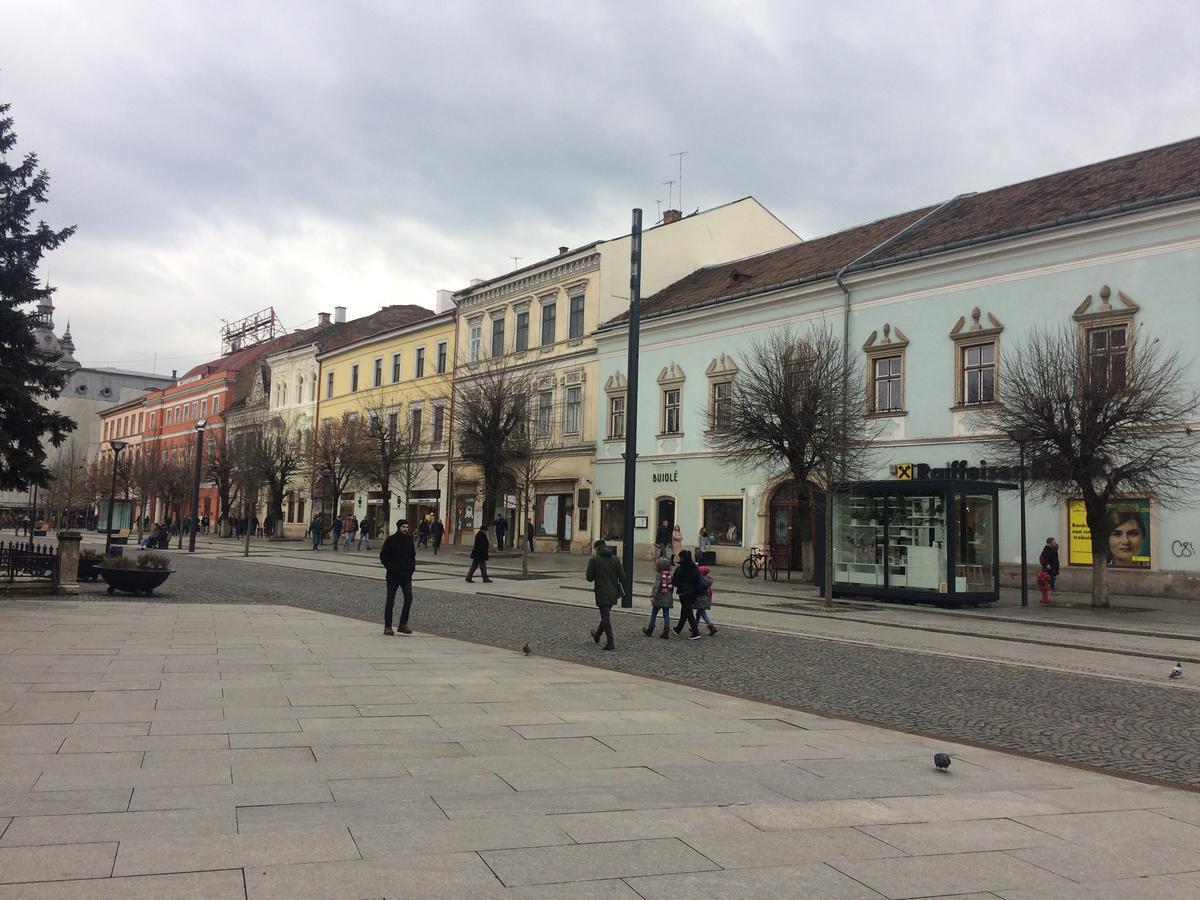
[[133, 581]]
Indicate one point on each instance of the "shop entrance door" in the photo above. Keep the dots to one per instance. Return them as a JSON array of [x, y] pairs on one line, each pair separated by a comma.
[[791, 527], [666, 511]]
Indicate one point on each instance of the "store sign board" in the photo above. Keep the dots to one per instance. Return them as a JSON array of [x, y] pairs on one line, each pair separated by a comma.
[[1128, 526], [959, 468]]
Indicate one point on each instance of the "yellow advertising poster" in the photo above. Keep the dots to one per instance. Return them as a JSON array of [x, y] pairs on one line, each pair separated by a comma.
[[1128, 527]]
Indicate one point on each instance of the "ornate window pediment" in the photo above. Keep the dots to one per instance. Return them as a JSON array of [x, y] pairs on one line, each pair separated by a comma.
[[1091, 313], [616, 384], [875, 343], [722, 366], [976, 330], [671, 374]]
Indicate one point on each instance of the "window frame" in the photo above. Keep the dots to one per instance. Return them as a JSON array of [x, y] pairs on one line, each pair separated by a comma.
[[522, 330], [497, 343], [438, 424], [443, 350], [354, 378], [475, 339], [397, 374], [716, 400], [613, 413], [377, 372], [892, 345], [545, 413], [672, 411], [572, 420], [329, 384], [575, 316], [549, 322], [419, 363]]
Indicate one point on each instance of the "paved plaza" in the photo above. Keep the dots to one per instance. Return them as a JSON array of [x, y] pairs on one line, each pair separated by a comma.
[[258, 750]]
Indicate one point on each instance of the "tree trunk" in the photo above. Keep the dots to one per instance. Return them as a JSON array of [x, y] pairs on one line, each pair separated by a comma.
[[827, 593], [1100, 591]]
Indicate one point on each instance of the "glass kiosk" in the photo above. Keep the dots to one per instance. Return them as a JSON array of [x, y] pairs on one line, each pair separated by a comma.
[[917, 541]]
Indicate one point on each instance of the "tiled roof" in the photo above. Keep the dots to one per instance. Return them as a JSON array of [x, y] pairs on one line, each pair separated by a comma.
[[1105, 188], [334, 337]]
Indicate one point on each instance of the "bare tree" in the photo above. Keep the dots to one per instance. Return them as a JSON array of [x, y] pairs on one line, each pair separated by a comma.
[[66, 489], [219, 467], [492, 410], [332, 455], [175, 478], [144, 478], [534, 450], [277, 455], [795, 406], [1098, 426], [245, 476]]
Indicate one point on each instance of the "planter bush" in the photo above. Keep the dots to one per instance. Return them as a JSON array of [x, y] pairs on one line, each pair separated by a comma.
[[143, 575], [89, 566]]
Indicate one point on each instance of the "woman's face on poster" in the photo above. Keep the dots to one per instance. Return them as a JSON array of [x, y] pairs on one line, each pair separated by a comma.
[[1125, 540]]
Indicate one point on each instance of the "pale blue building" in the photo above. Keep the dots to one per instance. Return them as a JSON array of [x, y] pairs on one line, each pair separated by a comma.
[[932, 298]]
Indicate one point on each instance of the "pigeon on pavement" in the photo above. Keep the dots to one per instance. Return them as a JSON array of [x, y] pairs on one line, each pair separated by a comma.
[[942, 761], [1177, 672], [525, 649]]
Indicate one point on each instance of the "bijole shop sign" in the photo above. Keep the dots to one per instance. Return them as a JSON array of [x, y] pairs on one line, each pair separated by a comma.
[[959, 468]]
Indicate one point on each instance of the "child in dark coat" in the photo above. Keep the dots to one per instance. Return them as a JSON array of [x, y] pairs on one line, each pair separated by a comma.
[[704, 601], [660, 596]]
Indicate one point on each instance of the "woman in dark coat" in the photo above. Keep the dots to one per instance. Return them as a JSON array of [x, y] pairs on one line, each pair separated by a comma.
[[686, 581], [479, 555]]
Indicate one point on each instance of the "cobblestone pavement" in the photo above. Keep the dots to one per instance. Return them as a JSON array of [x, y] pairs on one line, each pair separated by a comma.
[[1125, 728]]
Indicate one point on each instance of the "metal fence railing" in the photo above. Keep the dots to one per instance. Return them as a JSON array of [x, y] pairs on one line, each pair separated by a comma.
[[37, 563]]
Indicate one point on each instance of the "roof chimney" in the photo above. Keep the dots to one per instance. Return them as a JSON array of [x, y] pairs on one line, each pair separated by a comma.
[[174, 374], [563, 251], [339, 315], [444, 302], [671, 215], [322, 319]]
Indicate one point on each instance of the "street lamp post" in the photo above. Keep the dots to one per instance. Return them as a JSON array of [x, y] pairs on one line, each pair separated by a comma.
[[117, 447], [437, 486], [1022, 436], [196, 485]]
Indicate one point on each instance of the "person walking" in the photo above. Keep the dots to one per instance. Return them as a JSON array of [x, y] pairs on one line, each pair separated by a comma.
[[364, 534], [437, 531], [501, 530], [608, 577], [335, 531], [704, 600], [479, 554], [676, 542], [529, 533], [423, 533], [686, 582], [702, 545], [399, 558], [349, 527], [1049, 560], [315, 530], [662, 539], [660, 597]]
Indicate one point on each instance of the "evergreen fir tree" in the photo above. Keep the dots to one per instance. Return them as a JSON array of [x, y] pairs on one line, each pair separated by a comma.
[[26, 376]]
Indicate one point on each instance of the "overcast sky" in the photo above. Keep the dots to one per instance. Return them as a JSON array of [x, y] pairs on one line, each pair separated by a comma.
[[221, 157]]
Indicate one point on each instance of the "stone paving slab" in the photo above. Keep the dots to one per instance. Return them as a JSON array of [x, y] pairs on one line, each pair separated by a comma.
[[472, 771]]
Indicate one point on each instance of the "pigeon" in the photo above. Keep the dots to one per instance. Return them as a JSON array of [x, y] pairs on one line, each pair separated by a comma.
[[1177, 672], [525, 649], [942, 761]]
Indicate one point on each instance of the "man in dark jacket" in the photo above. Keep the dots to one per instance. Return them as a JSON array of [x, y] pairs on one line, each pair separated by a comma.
[[479, 554], [662, 539], [437, 531], [607, 575], [399, 558], [1049, 559], [501, 530]]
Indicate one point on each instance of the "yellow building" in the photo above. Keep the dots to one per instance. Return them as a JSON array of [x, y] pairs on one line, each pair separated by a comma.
[[403, 376], [544, 315]]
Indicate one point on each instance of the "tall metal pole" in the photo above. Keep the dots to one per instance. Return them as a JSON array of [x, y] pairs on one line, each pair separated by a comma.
[[33, 517], [196, 486], [631, 398], [1024, 551], [117, 447]]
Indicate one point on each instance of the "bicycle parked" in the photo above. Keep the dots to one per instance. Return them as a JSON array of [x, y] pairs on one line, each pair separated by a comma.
[[760, 561]]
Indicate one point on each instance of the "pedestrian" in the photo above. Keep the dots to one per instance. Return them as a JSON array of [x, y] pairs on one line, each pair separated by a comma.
[[437, 531], [364, 534], [608, 577], [529, 533], [501, 530], [257, 526], [204, 525], [335, 532], [349, 528], [315, 530], [660, 597], [676, 542], [479, 554], [1049, 560], [1043, 583], [685, 581], [399, 558], [702, 545], [704, 600], [423, 533], [662, 539], [269, 526]]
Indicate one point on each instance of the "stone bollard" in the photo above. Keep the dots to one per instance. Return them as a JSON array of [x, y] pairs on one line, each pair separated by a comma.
[[68, 562]]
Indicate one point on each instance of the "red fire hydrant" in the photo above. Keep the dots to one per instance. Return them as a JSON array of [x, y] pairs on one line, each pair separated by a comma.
[[1043, 583]]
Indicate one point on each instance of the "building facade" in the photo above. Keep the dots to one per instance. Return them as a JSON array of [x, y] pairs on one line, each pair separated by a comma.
[[400, 375], [542, 317], [1109, 251]]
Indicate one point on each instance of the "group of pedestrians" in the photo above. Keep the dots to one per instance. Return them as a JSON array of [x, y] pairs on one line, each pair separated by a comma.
[[691, 583]]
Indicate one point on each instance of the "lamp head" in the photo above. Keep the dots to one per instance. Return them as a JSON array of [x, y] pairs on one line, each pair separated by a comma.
[[118, 446], [200, 424]]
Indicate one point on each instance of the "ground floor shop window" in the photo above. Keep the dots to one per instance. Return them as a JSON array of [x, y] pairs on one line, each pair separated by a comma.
[[554, 516], [612, 520], [723, 521], [975, 568]]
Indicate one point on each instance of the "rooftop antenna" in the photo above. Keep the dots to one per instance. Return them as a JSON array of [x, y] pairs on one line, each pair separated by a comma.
[[681, 154], [659, 202], [670, 192], [516, 259]]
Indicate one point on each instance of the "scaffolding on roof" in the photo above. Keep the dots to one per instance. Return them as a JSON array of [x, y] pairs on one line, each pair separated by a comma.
[[257, 328]]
